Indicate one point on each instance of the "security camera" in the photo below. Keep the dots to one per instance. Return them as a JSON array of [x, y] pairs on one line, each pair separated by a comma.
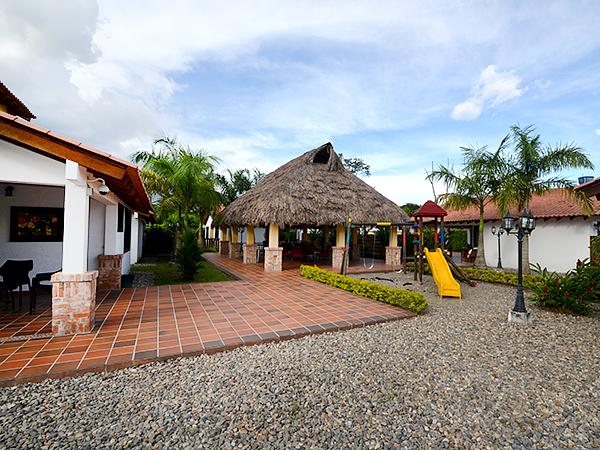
[[103, 189]]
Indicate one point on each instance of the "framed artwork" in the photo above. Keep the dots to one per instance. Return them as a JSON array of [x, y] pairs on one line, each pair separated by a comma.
[[35, 224]]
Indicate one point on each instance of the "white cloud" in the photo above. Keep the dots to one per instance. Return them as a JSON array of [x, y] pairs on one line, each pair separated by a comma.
[[492, 89], [597, 131]]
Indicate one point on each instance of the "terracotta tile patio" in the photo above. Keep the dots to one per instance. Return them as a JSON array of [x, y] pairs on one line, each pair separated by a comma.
[[135, 326]]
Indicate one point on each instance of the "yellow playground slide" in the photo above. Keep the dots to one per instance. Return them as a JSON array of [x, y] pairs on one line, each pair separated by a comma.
[[446, 284]]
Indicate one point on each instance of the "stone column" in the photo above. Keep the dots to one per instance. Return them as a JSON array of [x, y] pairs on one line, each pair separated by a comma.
[[249, 250], [273, 253], [110, 268], [234, 245], [393, 253], [73, 302], [337, 252]]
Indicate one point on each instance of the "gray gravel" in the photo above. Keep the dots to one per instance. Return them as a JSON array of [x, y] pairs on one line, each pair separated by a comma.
[[458, 376]]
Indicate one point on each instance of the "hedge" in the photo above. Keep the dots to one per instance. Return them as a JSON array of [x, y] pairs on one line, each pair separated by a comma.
[[492, 276], [414, 301]]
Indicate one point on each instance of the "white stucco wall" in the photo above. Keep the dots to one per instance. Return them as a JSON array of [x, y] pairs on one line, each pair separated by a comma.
[[555, 244], [96, 233], [46, 256], [19, 165]]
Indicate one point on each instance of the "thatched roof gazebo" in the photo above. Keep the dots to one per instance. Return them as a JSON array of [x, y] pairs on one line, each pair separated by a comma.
[[313, 189]]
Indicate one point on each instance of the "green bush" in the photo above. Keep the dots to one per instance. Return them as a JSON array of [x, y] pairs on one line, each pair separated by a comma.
[[573, 291], [457, 239], [595, 250], [414, 301], [188, 255]]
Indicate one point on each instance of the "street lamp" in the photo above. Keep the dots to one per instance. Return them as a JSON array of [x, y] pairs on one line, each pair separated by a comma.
[[524, 226], [499, 232]]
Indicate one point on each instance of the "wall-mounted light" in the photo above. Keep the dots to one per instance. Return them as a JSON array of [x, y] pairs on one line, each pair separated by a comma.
[[103, 189], [9, 191]]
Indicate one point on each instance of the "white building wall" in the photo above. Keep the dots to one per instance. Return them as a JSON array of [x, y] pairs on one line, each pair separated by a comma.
[[19, 165], [96, 233], [46, 256], [555, 244]]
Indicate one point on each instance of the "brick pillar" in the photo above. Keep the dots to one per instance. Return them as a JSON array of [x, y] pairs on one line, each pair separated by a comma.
[[224, 249], [393, 256], [109, 271], [337, 256], [234, 250], [73, 302], [273, 259], [249, 254]]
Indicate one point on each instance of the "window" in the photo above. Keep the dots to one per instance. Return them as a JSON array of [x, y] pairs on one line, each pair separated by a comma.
[[127, 237], [120, 217]]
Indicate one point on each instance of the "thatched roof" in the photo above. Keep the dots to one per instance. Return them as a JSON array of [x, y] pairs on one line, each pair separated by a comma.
[[312, 189]]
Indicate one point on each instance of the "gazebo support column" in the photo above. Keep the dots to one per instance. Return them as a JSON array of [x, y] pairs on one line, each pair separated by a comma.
[[393, 253], [234, 246], [249, 251], [354, 254], [337, 252], [273, 253], [224, 243]]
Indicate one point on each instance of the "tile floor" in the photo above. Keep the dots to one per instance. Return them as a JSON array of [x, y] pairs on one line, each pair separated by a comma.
[[135, 326]]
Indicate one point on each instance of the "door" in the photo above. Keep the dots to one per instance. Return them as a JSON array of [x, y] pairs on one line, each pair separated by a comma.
[[95, 233]]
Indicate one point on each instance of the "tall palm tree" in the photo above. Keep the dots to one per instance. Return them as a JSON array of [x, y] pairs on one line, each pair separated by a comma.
[[476, 184], [180, 181], [532, 170]]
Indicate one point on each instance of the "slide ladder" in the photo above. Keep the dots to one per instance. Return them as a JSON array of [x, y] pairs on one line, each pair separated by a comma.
[[446, 284]]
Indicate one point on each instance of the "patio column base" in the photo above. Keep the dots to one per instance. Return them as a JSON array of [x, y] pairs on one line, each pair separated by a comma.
[[73, 302], [109, 271], [522, 318], [234, 250], [337, 258], [393, 256], [224, 248], [249, 254], [273, 259]]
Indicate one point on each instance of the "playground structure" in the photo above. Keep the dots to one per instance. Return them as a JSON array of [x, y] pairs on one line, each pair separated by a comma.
[[443, 269]]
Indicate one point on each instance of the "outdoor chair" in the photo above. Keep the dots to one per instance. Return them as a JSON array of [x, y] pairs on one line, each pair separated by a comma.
[[15, 274], [39, 281]]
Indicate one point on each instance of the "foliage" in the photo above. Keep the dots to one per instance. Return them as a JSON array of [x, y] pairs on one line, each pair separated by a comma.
[[180, 181], [168, 273], [237, 182], [410, 208], [573, 291], [188, 255], [414, 301], [476, 184], [355, 165], [457, 239], [158, 240], [595, 250], [531, 167]]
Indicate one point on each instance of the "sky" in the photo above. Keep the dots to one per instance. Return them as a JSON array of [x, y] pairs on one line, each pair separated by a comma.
[[402, 85]]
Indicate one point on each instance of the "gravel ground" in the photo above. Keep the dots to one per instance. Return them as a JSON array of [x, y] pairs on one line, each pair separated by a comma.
[[458, 376], [143, 279]]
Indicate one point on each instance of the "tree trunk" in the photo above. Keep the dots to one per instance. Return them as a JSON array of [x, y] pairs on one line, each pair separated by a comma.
[[525, 255], [480, 258]]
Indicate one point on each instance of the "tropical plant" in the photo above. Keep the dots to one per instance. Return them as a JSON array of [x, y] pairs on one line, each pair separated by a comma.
[[573, 291], [532, 169], [410, 208], [188, 255], [180, 181], [475, 185], [235, 183]]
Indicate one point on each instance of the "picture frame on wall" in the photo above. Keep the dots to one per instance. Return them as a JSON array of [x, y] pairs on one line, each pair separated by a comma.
[[36, 224]]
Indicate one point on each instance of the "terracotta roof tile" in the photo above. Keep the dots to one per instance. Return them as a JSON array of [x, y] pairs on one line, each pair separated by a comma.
[[13, 104], [553, 204]]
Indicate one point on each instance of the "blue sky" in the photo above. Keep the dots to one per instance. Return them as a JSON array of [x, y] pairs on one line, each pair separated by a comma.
[[256, 83]]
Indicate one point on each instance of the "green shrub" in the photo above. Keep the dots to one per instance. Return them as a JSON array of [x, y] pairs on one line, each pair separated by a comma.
[[414, 301], [573, 291], [188, 255], [457, 239], [595, 250]]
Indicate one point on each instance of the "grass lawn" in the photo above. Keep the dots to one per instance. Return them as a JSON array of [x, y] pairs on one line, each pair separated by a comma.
[[167, 273]]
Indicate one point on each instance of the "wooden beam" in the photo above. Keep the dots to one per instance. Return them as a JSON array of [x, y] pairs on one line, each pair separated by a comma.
[[53, 146]]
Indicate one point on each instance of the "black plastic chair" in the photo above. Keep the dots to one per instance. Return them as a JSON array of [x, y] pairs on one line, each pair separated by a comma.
[[15, 274], [37, 285]]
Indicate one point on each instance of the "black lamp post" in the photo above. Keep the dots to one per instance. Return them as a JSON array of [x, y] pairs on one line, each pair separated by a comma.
[[498, 232], [524, 226]]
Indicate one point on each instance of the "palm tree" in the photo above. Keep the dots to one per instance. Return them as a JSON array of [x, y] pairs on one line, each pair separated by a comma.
[[475, 185], [180, 181], [532, 169], [237, 182]]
